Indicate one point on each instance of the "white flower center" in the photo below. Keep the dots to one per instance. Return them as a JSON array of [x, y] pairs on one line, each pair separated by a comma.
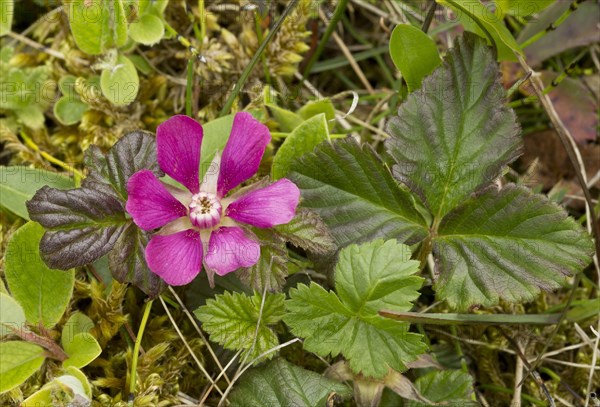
[[205, 210]]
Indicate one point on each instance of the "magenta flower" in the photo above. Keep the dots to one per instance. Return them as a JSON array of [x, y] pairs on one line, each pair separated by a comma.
[[200, 226]]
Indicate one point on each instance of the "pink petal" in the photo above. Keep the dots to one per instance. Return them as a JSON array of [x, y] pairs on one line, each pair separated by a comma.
[[267, 207], [243, 152], [176, 258], [149, 202], [229, 249], [178, 142]]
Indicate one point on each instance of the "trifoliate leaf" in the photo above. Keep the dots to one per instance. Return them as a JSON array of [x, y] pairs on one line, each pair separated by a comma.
[[280, 383], [455, 134], [44, 293], [18, 361], [232, 320], [452, 388], [271, 269], [308, 231], [368, 278], [86, 223], [349, 187], [507, 244]]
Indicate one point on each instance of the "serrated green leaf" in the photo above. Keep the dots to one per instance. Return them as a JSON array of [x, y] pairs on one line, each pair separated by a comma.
[[280, 383], [454, 135], [6, 16], [308, 231], [453, 388], [349, 187], [121, 83], [271, 269], [18, 361], [301, 140], [232, 320], [507, 244], [42, 292], [148, 30], [18, 184], [97, 25], [69, 111], [82, 349], [481, 20], [12, 316], [368, 278], [414, 53]]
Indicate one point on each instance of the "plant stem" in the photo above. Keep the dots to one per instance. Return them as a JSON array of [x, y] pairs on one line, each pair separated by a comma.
[[136, 350], [552, 25], [188, 88], [337, 15], [240, 83], [31, 144]]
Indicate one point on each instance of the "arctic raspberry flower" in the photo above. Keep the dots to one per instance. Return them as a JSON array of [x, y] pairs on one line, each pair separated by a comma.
[[200, 226]]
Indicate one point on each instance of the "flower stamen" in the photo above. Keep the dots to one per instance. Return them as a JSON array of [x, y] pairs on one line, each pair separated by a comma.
[[205, 210]]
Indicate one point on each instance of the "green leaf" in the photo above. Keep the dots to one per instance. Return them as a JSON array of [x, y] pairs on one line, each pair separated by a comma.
[[368, 278], [148, 30], [280, 383], [286, 119], [481, 19], [316, 107], [6, 15], [78, 323], [454, 135], [308, 231], [271, 269], [526, 9], [18, 361], [507, 244], [232, 320], [301, 140], [12, 315], [19, 184], [121, 83], [97, 25], [82, 349], [43, 293], [349, 187], [414, 53], [69, 111], [216, 134], [450, 387]]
